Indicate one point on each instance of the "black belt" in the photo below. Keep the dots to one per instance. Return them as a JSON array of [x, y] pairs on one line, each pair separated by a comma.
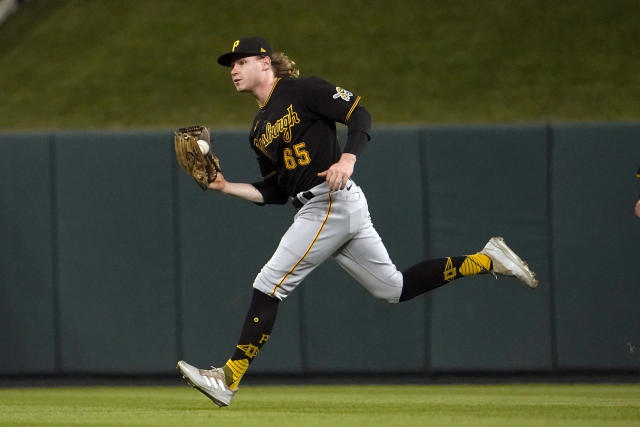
[[308, 195], [297, 203]]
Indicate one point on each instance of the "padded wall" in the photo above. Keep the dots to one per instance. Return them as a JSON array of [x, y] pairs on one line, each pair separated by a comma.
[[27, 291], [113, 261], [485, 181], [596, 251], [116, 260]]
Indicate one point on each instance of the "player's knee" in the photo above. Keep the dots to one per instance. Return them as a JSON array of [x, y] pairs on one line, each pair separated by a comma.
[[389, 294]]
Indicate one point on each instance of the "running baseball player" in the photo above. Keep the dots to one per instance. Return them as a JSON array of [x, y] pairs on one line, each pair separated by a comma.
[[294, 138]]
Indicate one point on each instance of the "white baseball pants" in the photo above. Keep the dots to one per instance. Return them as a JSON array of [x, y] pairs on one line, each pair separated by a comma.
[[333, 224]]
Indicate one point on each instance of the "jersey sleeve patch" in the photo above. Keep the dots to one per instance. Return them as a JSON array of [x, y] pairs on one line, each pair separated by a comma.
[[342, 93], [327, 100]]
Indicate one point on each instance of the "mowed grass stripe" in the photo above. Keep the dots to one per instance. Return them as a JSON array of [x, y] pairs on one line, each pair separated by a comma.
[[495, 405]]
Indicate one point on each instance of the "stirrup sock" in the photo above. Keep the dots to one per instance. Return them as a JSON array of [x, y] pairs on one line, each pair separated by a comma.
[[433, 273], [256, 330]]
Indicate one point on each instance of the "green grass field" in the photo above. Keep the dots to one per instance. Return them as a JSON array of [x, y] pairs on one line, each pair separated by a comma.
[[122, 64], [384, 405]]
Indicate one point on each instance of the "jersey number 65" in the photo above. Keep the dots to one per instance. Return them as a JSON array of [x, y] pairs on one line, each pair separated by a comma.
[[298, 156]]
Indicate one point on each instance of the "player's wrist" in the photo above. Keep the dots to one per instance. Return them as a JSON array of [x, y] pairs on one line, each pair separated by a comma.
[[348, 157]]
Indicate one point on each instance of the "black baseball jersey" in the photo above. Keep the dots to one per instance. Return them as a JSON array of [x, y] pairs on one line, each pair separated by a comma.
[[294, 133]]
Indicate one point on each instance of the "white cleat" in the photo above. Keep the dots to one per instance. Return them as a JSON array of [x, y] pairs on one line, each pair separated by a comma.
[[210, 382], [507, 263]]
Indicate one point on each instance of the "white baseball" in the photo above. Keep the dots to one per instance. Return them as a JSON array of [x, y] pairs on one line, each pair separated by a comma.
[[204, 146]]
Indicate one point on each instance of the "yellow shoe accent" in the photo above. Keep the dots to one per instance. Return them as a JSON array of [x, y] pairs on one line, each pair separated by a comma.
[[475, 264], [237, 368]]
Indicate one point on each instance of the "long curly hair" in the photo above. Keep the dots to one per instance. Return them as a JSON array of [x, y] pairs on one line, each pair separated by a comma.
[[283, 66]]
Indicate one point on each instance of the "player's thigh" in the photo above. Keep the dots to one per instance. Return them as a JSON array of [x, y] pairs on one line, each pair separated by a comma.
[[366, 259], [309, 241]]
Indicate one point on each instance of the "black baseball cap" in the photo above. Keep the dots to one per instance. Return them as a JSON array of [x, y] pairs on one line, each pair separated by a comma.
[[247, 46]]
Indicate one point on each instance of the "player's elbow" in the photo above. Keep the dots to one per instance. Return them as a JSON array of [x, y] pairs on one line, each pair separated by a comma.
[[271, 192], [360, 121]]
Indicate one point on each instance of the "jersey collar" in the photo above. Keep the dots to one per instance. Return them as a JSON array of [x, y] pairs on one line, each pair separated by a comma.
[[270, 93]]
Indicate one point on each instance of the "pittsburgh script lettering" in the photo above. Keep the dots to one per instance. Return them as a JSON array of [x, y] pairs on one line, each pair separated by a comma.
[[282, 126]]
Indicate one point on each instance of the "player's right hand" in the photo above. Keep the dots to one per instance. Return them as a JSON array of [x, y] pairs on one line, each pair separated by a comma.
[[339, 173], [637, 209]]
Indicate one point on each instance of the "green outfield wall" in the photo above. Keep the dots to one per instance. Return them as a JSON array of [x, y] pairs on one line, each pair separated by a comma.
[[113, 261]]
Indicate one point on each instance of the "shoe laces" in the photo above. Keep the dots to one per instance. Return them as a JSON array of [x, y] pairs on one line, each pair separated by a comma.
[[210, 372]]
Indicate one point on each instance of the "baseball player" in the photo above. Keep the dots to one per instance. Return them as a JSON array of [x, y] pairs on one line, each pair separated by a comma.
[[294, 139]]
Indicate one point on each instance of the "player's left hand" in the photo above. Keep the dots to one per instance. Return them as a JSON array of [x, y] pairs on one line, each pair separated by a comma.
[[637, 209], [339, 173]]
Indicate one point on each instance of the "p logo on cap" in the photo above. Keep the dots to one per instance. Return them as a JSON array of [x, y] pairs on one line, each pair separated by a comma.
[[246, 46]]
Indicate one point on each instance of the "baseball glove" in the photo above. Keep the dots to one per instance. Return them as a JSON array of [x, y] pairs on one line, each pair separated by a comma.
[[203, 167]]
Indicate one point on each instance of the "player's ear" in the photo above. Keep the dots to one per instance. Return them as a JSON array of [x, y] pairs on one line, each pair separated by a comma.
[[266, 61]]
